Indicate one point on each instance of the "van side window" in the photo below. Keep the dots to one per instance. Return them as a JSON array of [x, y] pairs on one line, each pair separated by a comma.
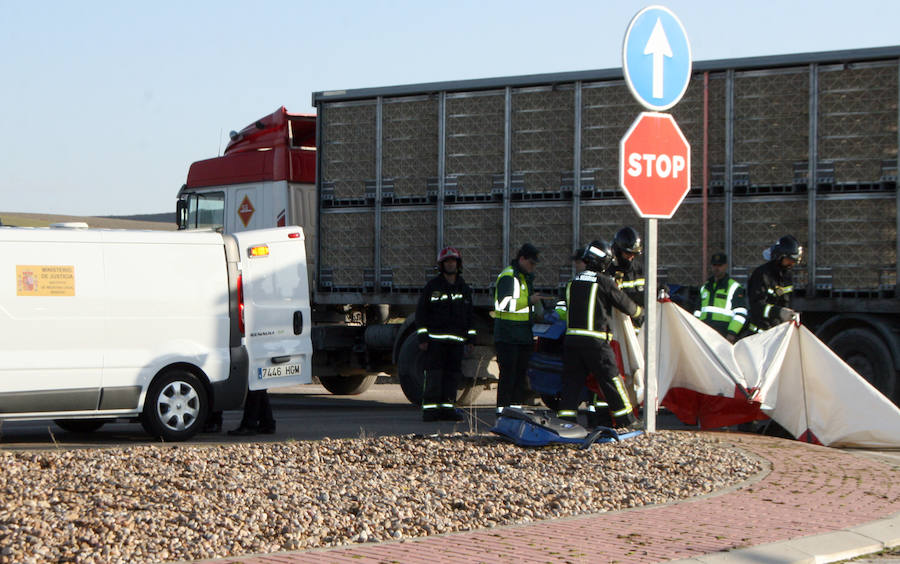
[[206, 210]]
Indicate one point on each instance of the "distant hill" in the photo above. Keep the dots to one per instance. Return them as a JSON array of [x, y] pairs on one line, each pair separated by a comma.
[[156, 221], [165, 217]]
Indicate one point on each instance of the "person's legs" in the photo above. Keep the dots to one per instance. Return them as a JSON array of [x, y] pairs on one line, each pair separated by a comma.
[[603, 364], [434, 375], [266, 417], [573, 376], [520, 392], [506, 359], [453, 355]]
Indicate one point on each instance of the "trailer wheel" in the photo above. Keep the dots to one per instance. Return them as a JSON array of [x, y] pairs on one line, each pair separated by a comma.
[[866, 353], [79, 425], [411, 372], [175, 407], [348, 385]]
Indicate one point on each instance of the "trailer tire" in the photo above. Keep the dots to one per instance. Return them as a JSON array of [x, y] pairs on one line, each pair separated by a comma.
[[348, 385], [175, 407], [866, 353], [411, 372], [79, 425]]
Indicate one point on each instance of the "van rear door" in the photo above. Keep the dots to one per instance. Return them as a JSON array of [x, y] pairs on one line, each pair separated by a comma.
[[276, 312]]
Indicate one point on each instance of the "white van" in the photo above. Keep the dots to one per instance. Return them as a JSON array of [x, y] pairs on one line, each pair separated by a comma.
[[161, 327]]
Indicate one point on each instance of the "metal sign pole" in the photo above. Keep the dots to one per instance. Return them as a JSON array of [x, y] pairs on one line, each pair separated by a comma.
[[650, 330]]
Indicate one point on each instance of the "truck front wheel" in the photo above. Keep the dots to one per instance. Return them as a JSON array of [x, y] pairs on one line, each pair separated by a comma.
[[175, 407], [348, 385], [411, 371], [866, 353]]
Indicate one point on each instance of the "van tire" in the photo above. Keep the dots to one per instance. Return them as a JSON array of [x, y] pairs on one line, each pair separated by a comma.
[[348, 385], [866, 353], [175, 407], [79, 425]]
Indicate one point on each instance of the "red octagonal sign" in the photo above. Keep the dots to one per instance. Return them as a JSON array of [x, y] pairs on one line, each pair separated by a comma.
[[655, 165]]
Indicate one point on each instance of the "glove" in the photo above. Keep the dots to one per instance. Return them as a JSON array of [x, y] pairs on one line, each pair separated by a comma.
[[786, 314], [638, 317]]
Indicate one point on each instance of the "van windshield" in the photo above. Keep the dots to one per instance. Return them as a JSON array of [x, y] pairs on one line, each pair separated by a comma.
[[206, 210]]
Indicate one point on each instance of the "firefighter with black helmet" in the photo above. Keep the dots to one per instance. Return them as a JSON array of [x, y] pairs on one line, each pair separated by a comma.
[[626, 270], [771, 285], [590, 297], [445, 322]]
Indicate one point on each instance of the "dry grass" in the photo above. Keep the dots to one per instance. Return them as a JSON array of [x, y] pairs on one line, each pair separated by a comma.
[[43, 220]]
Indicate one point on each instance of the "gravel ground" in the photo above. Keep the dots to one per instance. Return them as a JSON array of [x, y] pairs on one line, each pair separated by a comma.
[[161, 503]]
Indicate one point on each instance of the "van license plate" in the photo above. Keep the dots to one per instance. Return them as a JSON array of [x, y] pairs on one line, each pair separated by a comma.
[[264, 372]]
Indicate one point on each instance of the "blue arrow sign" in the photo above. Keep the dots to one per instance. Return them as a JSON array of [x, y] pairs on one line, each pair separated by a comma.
[[656, 58]]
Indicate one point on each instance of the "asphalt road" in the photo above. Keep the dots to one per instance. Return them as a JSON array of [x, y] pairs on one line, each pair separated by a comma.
[[302, 413]]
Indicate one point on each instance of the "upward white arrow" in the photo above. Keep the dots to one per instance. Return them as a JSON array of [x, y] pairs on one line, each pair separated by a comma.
[[658, 46]]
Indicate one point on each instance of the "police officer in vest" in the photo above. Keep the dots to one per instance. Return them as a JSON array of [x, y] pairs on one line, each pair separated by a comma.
[[625, 269], [590, 297], [445, 327], [723, 301], [771, 285], [514, 301]]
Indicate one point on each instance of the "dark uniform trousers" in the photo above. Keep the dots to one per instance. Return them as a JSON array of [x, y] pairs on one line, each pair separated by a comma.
[[599, 358], [443, 372], [513, 362]]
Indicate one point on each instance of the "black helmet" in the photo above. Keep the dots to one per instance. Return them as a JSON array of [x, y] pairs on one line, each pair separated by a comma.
[[787, 246], [628, 240], [597, 256]]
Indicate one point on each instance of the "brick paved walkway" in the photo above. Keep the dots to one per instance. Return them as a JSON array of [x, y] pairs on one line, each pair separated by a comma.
[[809, 490]]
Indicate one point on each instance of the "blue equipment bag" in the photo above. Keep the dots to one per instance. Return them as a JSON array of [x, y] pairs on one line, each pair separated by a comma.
[[527, 427]]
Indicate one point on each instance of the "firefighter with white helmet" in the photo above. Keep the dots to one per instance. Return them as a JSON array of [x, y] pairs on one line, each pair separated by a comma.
[[445, 325], [590, 297]]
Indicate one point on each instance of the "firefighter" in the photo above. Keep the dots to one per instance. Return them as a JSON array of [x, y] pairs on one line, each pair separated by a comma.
[[771, 285], [514, 307], [590, 297], [446, 327], [723, 301], [625, 270]]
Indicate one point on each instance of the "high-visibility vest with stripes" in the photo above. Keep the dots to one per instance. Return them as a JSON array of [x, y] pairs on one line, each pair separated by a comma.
[[720, 306], [587, 318], [514, 307]]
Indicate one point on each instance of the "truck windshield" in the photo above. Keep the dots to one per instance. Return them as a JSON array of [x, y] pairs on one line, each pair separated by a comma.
[[206, 210]]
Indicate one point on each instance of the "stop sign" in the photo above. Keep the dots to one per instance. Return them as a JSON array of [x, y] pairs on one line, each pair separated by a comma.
[[655, 165]]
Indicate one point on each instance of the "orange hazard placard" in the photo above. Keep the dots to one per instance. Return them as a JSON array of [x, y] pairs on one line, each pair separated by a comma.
[[45, 280], [245, 211]]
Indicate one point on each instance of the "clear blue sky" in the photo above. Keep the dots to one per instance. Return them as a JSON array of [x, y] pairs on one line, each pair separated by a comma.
[[106, 103]]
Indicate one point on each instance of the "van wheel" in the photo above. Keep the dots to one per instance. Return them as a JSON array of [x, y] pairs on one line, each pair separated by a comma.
[[866, 353], [79, 425], [411, 372], [175, 407], [348, 385]]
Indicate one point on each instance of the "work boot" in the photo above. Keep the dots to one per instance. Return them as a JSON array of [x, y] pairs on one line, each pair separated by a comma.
[[242, 431], [431, 415], [267, 429]]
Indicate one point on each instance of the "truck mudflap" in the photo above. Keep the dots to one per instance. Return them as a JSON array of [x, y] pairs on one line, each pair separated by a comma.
[[230, 393], [526, 427]]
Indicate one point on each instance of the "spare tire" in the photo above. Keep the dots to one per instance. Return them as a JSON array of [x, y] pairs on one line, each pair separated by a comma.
[[866, 353], [411, 372], [348, 385]]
